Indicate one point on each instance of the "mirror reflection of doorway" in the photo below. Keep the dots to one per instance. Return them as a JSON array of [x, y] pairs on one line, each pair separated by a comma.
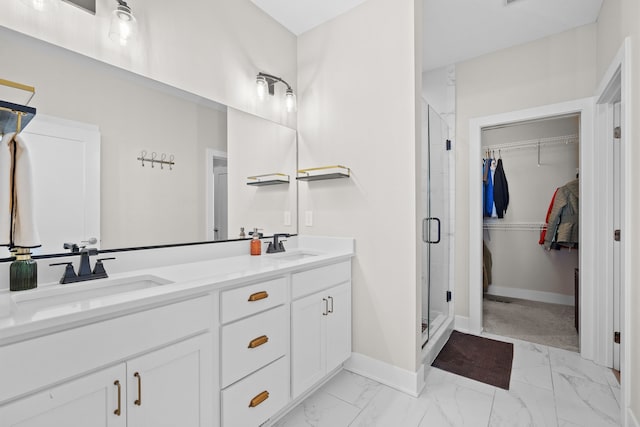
[[220, 199]]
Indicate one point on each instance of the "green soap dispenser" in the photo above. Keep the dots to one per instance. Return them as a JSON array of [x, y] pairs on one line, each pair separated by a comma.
[[23, 272]]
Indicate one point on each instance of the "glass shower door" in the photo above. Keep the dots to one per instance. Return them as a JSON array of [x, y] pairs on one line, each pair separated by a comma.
[[436, 233]]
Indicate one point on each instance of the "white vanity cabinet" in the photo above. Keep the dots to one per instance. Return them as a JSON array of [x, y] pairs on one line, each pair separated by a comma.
[[320, 324], [162, 388], [254, 369], [62, 378], [91, 400]]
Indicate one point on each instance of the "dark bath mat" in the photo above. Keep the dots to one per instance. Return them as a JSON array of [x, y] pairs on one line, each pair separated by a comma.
[[481, 359]]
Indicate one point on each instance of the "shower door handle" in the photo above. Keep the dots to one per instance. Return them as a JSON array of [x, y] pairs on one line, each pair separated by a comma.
[[426, 230]]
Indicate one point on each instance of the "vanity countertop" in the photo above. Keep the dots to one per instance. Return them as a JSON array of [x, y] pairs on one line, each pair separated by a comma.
[[27, 314]]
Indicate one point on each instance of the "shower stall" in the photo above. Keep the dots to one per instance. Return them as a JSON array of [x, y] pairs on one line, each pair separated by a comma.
[[436, 240]]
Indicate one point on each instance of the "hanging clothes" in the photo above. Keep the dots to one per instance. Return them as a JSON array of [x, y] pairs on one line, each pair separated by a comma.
[[487, 207], [543, 233], [500, 190], [563, 222]]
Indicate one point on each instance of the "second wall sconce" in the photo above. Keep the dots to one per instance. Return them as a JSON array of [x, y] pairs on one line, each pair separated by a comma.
[[124, 26], [265, 84]]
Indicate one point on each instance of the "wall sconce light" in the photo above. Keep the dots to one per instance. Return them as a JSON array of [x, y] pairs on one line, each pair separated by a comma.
[[124, 26], [265, 84]]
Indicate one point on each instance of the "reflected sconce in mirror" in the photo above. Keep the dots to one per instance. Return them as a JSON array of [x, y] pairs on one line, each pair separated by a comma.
[[124, 26], [265, 84]]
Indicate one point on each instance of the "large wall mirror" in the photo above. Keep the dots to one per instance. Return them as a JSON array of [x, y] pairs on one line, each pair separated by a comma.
[[215, 150]]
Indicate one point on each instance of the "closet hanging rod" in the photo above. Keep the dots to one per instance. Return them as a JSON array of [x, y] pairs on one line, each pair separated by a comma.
[[534, 143], [517, 226]]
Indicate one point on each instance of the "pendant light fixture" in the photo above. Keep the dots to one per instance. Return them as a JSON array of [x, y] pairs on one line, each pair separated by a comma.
[[124, 26], [265, 84]]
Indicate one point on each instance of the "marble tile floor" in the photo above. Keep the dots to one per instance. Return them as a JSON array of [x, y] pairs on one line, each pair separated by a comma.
[[549, 387]]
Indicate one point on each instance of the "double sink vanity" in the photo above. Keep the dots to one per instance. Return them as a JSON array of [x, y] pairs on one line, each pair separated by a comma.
[[227, 339]]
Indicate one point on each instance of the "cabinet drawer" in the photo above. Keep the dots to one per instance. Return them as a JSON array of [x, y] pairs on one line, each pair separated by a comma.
[[242, 403], [250, 344], [247, 300], [308, 282]]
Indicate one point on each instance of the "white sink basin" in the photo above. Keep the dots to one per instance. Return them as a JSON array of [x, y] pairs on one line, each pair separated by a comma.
[[83, 292], [293, 256]]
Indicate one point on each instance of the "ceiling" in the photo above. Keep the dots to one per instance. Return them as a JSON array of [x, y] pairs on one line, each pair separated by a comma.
[[455, 30], [300, 16]]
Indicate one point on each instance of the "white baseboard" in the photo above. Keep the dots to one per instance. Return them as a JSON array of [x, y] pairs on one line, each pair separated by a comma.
[[531, 295], [402, 380], [632, 421], [462, 324]]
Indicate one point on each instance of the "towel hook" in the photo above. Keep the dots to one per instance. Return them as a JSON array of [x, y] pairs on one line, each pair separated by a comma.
[[171, 162], [142, 156], [153, 158], [162, 160]]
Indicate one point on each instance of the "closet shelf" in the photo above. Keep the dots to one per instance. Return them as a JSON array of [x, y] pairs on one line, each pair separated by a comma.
[[268, 179], [556, 140], [323, 172]]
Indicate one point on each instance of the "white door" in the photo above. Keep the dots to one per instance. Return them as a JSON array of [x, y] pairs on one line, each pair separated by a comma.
[[172, 386], [307, 342], [220, 203], [618, 166], [89, 401], [338, 327]]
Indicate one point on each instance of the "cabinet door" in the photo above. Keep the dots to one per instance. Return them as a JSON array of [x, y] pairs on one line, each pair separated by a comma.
[[338, 327], [89, 401], [172, 386], [307, 342]]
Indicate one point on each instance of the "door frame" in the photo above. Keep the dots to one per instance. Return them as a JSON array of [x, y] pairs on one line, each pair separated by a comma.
[[590, 330], [616, 79], [210, 155]]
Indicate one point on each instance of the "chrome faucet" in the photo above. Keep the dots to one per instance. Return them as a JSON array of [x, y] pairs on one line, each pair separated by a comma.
[[277, 245], [84, 269]]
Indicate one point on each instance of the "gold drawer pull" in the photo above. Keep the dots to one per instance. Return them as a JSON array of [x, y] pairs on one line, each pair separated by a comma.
[[257, 342], [118, 411], [138, 401], [259, 399], [258, 296]]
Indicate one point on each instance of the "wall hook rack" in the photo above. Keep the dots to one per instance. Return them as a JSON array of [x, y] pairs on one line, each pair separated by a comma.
[[163, 160]]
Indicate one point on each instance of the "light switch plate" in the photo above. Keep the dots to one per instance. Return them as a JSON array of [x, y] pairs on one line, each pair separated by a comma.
[[287, 217], [308, 218]]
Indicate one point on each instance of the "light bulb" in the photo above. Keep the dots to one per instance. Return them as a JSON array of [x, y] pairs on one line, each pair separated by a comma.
[[290, 101], [261, 87], [124, 26]]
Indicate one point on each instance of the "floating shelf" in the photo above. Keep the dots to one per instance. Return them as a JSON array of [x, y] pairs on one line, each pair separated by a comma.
[[15, 117], [268, 179], [324, 172]]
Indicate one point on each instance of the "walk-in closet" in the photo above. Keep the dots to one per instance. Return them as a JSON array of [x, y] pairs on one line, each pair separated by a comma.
[[530, 230]]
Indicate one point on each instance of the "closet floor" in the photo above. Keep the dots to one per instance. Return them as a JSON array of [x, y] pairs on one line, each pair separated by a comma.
[[533, 321]]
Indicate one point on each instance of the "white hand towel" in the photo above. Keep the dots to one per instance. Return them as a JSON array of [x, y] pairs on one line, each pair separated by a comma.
[[25, 233], [5, 190]]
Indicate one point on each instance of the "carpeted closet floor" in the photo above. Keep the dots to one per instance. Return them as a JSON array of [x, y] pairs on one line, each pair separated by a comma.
[[537, 322]]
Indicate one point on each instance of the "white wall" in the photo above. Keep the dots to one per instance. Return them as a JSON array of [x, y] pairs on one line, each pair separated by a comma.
[[521, 266], [213, 48], [257, 147], [439, 90], [551, 70], [619, 19], [358, 93]]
